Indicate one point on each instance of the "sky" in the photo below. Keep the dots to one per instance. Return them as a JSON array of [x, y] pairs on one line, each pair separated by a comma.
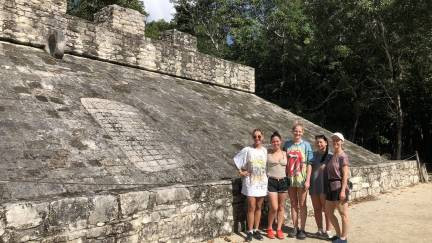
[[159, 9]]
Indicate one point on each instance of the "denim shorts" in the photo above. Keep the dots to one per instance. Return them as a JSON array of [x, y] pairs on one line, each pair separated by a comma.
[[278, 185]]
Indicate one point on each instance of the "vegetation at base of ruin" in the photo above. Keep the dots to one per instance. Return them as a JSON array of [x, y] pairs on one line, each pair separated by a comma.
[[359, 67], [87, 8]]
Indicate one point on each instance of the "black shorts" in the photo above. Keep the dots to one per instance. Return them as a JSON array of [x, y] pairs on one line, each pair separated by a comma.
[[278, 185], [334, 195]]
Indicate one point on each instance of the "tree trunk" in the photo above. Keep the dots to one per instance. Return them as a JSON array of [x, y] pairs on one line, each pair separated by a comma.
[[399, 127], [397, 98], [354, 131]]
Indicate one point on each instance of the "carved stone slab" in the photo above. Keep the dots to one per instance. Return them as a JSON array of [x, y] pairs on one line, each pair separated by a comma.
[[143, 145]]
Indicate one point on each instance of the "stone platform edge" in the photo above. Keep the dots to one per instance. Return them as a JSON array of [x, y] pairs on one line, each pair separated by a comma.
[[183, 213]]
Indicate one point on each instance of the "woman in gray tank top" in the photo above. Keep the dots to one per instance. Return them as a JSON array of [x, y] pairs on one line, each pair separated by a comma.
[[317, 181]]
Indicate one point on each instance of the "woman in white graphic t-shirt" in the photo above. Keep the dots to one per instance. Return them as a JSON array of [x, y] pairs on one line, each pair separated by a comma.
[[251, 162]]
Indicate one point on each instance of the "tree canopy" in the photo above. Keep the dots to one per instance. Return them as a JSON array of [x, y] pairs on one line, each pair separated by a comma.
[[360, 67], [87, 8]]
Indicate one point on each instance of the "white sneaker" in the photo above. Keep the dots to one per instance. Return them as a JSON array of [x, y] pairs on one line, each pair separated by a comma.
[[328, 234], [320, 233]]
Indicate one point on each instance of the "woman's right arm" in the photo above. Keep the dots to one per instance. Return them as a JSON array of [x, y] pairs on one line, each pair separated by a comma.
[[240, 161]]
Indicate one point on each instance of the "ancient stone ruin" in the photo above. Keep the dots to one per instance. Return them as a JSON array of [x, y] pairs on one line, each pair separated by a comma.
[[108, 136]]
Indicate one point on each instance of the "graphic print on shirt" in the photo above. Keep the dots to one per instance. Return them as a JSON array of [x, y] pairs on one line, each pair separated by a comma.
[[295, 165], [257, 170]]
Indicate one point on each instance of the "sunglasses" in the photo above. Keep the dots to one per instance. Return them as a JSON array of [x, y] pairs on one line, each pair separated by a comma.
[[257, 136]]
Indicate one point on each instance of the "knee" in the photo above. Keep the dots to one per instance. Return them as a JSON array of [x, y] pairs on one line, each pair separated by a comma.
[[328, 210], [251, 208], [344, 215], [294, 205], [303, 204], [323, 209], [258, 207], [281, 208]]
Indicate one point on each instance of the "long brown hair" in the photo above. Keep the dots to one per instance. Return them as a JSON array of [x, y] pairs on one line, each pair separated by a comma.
[[323, 137]]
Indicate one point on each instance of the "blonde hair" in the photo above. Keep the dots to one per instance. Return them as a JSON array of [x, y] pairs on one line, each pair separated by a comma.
[[257, 130], [297, 124]]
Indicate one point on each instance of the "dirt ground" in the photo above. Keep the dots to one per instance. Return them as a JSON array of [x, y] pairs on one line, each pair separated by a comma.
[[403, 215]]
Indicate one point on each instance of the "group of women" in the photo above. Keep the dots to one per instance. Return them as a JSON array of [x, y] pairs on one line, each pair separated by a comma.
[[291, 171]]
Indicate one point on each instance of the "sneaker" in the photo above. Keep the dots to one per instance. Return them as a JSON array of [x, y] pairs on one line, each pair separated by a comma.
[[339, 240], [280, 234], [327, 235], [257, 235], [293, 233], [270, 233], [249, 236], [333, 238], [301, 235]]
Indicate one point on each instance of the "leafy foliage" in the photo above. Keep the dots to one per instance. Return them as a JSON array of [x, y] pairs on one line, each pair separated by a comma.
[[360, 67], [154, 28], [87, 8]]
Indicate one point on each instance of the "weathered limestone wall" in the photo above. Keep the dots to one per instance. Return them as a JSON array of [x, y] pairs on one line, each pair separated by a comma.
[[117, 35], [180, 213], [183, 213], [374, 179]]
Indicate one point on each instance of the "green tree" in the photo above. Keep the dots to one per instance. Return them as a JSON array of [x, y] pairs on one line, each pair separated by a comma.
[[154, 28], [87, 8], [208, 20]]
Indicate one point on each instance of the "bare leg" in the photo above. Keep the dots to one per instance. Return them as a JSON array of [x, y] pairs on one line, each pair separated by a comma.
[[281, 209], [328, 224], [257, 218], [343, 211], [292, 191], [330, 208], [251, 201], [316, 203], [303, 207], [273, 200]]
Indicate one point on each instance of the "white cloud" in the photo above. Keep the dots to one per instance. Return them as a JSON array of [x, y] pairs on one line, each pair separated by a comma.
[[159, 9]]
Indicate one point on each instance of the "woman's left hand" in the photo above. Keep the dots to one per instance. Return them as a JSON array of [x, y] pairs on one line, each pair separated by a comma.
[[322, 167], [342, 195], [307, 185]]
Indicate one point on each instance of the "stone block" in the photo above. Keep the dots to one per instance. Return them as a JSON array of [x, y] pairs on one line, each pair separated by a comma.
[[170, 195], [356, 179], [105, 208], [25, 215], [178, 39], [99, 231], [190, 208], [2, 226], [70, 212], [128, 239], [219, 214], [121, 19], [365, 185], [227, 228], [375, 184], [133, 202]]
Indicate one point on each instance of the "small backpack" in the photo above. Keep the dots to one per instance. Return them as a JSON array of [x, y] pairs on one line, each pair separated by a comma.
[[294, 165]]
